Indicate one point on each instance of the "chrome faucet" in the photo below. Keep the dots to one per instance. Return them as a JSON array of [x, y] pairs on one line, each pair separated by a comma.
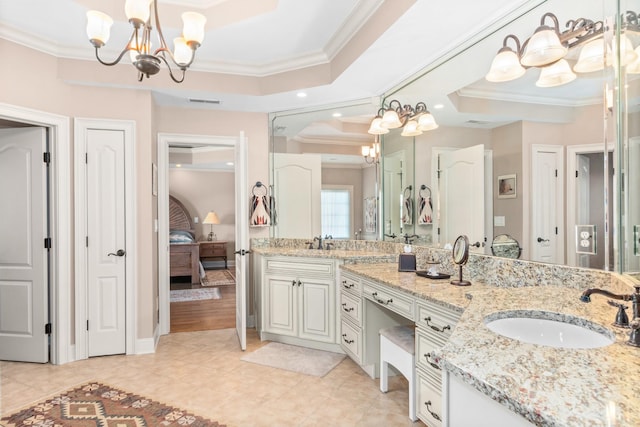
[[319, 239], [634, 298]]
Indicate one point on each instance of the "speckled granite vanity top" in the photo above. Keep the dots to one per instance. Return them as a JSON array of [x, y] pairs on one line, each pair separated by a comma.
[[548, 386], [360, 255]]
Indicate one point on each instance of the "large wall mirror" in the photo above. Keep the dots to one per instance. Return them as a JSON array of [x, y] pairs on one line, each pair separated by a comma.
[[554, 160]]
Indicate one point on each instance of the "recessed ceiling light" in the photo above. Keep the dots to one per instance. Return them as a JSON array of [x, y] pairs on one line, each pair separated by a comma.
[[301, 94], [229, 163], [438, 106], [178, 165], [337, 114]]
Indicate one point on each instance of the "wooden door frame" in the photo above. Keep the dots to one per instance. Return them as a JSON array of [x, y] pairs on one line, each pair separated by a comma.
[[164, 140], [81, 125], [60, 211]]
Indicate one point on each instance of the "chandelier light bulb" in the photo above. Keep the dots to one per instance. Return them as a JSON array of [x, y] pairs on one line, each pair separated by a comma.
[[427, 122], [365, 150], [182, 52], [556, 74], [591, 57], [376, 127], [390, 120], [544, 48]]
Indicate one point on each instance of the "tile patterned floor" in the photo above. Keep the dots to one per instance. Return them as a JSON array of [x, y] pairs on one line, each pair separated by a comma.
[[202, 372]]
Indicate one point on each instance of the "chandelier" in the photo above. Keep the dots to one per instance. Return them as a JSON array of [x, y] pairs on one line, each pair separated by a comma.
[[147, 61], [414, 119], [547, 48]]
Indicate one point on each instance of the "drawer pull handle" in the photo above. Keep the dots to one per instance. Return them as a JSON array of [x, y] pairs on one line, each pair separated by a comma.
[[428, 357], [435, 328], [433, 414], [344, 307], [384, 302], [349, 286], [299, 283], [293, 282], [344, 338]]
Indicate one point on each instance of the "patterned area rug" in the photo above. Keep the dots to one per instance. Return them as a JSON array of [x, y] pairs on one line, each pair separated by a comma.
[[218, 278], [293, 358], [96, 404], [182, 295]]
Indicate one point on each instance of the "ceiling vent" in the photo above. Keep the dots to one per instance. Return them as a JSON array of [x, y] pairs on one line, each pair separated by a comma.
[[477, 123], [205, 101]]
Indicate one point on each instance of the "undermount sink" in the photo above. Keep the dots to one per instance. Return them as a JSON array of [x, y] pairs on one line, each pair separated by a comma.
[[549, 329]]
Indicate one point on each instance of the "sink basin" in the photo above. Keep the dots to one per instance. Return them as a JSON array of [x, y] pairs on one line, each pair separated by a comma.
[[549, 329]]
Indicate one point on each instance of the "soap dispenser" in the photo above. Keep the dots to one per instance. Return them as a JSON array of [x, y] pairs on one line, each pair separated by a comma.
[[407, 260]]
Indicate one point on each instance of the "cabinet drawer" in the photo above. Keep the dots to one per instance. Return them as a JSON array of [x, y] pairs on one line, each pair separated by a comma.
[[351, 340], [300, 268], [436, 320], [350, 284], [213, 250], [428, 402], [394, 301], [425, 346], [350, 307]]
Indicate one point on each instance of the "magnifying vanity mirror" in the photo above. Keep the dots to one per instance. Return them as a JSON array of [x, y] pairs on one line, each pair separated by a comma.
[[460, 254], [559, 142]]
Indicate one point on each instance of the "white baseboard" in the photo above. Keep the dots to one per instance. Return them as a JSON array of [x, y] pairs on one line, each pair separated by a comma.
[[148, 345]]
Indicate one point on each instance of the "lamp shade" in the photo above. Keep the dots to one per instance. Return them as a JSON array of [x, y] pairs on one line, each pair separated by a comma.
[[543, 48], [427, 122], [627, 54], [556, 74], [591, 57], [193, 30], [211, 218], [182, 53], [376, 127], [411, 129], [138, 10], [505, 66], [98, 27], [390, 120]]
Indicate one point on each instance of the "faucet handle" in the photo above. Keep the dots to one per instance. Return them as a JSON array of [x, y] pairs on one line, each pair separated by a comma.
[[622, 320]]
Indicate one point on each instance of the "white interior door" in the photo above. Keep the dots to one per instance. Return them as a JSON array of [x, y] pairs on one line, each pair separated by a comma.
[[242, 239], [547, 213], [297, 189], [461, 195], [23, 257], [106, 246]]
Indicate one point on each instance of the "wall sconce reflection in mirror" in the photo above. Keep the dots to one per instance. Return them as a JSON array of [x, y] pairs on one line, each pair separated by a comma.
[[415, 120], [371, 153], [548, 47]]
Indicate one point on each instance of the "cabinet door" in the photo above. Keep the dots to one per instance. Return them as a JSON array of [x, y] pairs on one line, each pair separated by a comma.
[[317, 310], [281, 305]]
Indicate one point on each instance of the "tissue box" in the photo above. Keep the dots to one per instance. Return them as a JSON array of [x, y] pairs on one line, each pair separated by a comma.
[[407, 262]]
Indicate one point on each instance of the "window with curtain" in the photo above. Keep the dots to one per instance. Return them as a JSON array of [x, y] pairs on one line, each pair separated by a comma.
[[337, 211]]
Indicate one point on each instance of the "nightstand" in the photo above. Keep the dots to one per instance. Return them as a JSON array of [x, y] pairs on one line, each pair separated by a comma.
[[213, 249]]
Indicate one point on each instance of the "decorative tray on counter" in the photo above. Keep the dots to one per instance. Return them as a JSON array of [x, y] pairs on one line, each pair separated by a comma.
[[425, 273]]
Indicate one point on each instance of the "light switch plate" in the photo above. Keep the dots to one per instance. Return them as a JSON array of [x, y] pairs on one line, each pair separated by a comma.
[[498, 221]]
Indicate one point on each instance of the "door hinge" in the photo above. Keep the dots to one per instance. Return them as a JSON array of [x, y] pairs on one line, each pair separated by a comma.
[[47, 329], [87, 325], [86, 157], [556, 230], [46, 157], [47, 243], [576, 174], [86, 241], [438, 231], [556, 173]]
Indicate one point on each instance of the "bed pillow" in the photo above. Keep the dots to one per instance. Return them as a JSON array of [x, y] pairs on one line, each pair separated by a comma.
[[178, 236]]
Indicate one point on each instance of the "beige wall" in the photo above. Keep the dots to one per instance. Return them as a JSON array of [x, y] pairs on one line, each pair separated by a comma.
[[36, 84]]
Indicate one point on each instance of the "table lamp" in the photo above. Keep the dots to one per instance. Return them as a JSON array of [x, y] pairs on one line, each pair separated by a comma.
[[211, 218]]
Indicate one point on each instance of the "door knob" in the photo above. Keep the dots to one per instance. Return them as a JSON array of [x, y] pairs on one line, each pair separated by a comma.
[[120, 252], [540, 240]]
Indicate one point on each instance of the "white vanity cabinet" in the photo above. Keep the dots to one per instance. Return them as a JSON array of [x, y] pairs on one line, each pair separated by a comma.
[[351, 316], [434, 324], [299, 301]]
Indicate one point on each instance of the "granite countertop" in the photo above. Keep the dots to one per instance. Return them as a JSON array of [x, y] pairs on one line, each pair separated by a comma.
[[548, 386], [347, 255]]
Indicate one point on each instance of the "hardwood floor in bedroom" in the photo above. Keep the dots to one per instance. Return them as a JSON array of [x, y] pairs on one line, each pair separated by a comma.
[[203, 315]]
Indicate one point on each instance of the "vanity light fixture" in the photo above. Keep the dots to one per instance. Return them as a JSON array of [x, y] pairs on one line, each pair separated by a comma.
[[415, 120], [147, 61], [371, 153], [547, 49]]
